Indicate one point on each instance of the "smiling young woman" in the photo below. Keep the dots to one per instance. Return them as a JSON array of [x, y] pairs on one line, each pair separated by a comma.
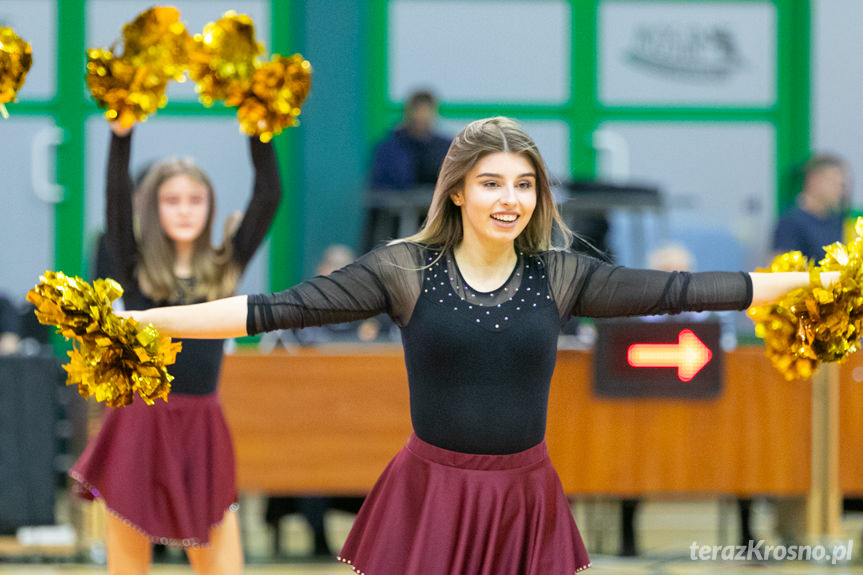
[[480, 294]]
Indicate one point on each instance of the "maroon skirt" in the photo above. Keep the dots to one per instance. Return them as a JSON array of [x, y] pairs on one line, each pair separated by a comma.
[[440, 512], [165, 469]]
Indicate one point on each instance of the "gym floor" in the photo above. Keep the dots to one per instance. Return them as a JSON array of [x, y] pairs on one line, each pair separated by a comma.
[[666, 529]]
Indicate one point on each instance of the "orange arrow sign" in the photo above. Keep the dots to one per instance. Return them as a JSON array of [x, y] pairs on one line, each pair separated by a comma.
[[688, 355]]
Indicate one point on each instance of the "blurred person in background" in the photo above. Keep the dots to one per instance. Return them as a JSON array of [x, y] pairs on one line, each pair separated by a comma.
[[408, 159], [817, 216], [413, 152], [10, 327]]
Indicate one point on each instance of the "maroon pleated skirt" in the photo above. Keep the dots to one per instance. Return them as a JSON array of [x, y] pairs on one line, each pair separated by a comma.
[[165, 469], [440, 512]]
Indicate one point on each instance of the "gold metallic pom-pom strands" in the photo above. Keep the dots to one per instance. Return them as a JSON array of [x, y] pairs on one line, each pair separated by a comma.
[[224, 58], [112, 357], [815, 324], [268, 95], [158, 39], [278, 89], [15, 61], [131, 86]]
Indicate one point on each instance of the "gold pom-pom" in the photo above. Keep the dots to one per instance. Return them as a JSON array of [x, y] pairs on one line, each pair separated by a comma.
[[131, 86], [225, 65], [112, 357], [128, 93], [224, 58], [158, 39], [273, 101], [812, 325], [778, 324], [15, 61]]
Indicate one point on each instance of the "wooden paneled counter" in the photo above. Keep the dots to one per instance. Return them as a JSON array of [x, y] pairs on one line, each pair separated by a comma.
[[328, 420]]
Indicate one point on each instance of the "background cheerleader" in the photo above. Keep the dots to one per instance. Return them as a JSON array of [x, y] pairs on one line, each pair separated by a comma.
[[166, 472]]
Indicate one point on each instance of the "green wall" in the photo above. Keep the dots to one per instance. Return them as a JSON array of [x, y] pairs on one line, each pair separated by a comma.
[[325, 163]]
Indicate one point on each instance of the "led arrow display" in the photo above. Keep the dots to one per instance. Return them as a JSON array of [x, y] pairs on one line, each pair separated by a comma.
[[635, 358], [689, 355]]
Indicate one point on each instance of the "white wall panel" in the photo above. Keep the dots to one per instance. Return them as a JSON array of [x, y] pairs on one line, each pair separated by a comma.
[[718, 181], [35, 21], [476, 51], [696, 53], [26, 221], [837, 84]]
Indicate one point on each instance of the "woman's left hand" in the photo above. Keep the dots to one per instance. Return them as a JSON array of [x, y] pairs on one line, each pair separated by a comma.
[[137, 315], [829, 278]]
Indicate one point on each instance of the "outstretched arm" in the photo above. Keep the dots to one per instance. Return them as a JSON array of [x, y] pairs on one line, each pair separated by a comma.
[[217, 319], [586, 287], [385, 280]]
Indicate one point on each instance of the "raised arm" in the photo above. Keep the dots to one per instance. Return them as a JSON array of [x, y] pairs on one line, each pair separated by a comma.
[[118, 206], [263, 205]]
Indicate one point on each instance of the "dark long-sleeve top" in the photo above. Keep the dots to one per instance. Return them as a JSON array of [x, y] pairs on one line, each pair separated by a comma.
[[196, 371], [479, 364], [403, 161]]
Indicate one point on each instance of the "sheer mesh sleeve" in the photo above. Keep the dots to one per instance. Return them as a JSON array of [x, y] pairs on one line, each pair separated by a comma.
[[386, 280], [586, 287]]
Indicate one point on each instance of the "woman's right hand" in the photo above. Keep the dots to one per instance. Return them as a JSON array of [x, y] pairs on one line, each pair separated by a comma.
[[120, 130], [126, 314]]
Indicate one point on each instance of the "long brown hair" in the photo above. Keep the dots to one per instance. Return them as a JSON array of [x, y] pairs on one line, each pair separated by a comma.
[[443, 225], [213, 269]]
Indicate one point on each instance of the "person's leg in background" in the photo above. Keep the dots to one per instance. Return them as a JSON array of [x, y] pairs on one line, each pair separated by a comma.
[[628, 546], [744, 506]]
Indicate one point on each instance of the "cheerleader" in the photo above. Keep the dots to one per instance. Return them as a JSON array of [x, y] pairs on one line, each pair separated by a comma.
[[480, 294], [166, 472]]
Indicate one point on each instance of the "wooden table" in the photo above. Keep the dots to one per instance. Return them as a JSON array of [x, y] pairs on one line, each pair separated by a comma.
[[328, 420]]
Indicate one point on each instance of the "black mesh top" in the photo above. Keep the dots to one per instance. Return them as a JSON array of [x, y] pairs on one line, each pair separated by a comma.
[[196, 371], [479, 364]]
